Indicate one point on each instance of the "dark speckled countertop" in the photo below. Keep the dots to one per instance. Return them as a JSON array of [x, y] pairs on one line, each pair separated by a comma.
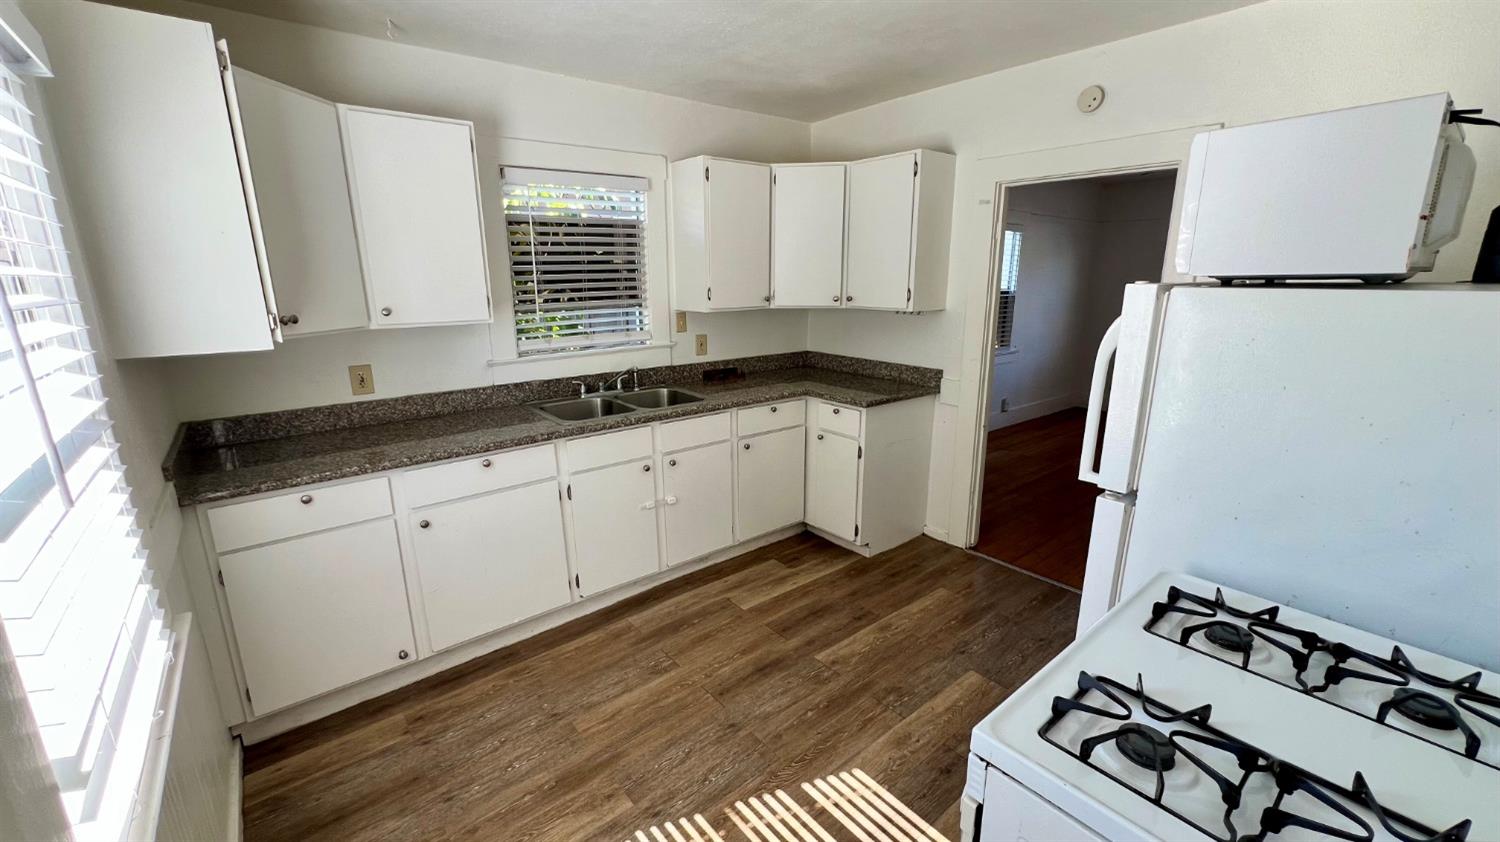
[[205, 470]]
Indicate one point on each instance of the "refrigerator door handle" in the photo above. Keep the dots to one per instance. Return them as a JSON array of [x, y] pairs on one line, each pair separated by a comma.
[[1107, 348]]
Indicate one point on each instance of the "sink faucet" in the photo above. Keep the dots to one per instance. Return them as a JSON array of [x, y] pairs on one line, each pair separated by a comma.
[[617, 381]]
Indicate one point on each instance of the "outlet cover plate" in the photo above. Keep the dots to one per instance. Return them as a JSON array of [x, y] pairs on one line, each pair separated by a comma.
[[681, 321], [361, 379], [700, 345]]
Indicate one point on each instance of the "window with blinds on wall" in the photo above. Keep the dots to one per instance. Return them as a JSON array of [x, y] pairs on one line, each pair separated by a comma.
[[81, 619], [577, 259], [1010, 271]]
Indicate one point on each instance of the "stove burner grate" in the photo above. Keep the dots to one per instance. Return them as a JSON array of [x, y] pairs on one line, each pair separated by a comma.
[[1153, 750], [1146, 747], [1228, 636], [1424, 709]]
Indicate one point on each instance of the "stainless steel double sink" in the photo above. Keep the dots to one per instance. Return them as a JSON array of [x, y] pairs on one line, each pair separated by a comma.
[[593, 407]]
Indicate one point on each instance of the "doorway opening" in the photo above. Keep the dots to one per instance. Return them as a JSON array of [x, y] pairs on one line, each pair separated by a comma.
[[1068, 248]]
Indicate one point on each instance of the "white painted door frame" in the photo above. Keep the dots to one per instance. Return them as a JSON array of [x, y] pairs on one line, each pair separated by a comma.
[[981, 216]]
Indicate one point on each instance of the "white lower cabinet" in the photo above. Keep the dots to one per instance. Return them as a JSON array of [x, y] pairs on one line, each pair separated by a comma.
[[318, 612], [833, 484], [488, 562], [697, 488], [614, 525], [769, 481]]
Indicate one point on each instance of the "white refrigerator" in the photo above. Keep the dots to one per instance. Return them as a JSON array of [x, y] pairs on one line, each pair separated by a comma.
[[1335, 448]]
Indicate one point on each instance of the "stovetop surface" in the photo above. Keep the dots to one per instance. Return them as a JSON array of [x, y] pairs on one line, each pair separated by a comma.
[[1258, 694]]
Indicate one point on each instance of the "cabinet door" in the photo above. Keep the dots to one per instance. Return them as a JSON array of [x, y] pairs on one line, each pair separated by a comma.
[[142, 120], [699, 511], [807, 236], [416, 204], [770, 481], [833, 485], [614, 525], [317, 613], [881, 192], [298, 161], [488, 562], [739, 235]]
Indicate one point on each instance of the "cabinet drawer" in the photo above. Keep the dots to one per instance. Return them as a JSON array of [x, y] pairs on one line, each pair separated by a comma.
[[493, 472], [298, 512], [609, 448], [839, 419], [692, 432], [758, 419]]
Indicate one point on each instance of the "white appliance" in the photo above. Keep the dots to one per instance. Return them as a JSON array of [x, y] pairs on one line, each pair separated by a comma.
[[1198, 713], [1369, 192], [1335, 449]]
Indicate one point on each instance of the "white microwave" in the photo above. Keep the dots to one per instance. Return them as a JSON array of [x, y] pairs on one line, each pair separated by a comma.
[[1370, 192]]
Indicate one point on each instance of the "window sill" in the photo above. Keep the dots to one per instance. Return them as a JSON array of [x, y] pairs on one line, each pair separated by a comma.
[[586, 352]]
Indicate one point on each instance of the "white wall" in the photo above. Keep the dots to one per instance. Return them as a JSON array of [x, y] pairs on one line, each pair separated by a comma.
[[1273, 59], [503, 101]]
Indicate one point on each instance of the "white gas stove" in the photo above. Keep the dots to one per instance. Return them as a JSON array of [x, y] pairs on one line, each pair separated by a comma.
[[1194, 712]]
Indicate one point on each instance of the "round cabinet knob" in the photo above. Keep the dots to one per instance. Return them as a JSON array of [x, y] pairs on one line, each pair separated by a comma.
[[835, 410], [385, 311], [403, 654], [846, 298], [820, 436], [747, 445], [306, 498], [835, 299], [773, 409], [485, 463], [765, 298], [424, 524], [645, 467], [671, 463]]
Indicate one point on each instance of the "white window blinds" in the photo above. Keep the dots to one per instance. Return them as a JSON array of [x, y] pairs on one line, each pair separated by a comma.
[[1010, 271], [82, 620], [577, 259]]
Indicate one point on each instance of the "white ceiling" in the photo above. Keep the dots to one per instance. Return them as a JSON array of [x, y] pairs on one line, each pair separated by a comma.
[[804, 59]]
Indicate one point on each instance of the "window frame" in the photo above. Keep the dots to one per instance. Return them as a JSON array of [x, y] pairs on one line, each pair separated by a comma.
[[506, 364], [1001, 327]]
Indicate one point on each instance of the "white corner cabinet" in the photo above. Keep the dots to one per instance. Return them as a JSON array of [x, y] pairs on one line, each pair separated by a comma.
[[324, 591], [721, 230], [870, 234], [224, 216]]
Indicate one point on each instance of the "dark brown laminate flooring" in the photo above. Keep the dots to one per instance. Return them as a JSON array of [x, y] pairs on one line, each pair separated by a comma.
[[787, 663], [1035, 513]]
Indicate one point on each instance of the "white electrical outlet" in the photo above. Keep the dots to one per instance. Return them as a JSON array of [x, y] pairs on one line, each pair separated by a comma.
[[361, 379]]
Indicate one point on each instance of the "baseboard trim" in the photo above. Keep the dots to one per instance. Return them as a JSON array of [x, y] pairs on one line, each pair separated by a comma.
[[234, 823], [1035, 409], [281, 721], [938, 533]]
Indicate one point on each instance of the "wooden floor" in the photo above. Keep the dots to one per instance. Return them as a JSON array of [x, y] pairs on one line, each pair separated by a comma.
[[788, 663], [1035, 513]]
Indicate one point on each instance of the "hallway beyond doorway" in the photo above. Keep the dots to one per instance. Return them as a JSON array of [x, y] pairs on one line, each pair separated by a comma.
[[1035, 512]]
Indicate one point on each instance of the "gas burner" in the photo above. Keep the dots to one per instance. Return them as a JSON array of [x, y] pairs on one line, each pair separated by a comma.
[[1449, 712], [1424, 709], [1264, 794], [1228, 636], [1146, 747]]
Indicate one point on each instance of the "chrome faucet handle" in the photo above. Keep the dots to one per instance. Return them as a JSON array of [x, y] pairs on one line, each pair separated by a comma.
[[583, 388]]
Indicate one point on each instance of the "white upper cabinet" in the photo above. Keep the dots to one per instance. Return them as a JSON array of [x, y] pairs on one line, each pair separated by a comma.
[[144, 117], [298, 161], [721, 225], [899, 218], [414, 184], [807, 235]]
